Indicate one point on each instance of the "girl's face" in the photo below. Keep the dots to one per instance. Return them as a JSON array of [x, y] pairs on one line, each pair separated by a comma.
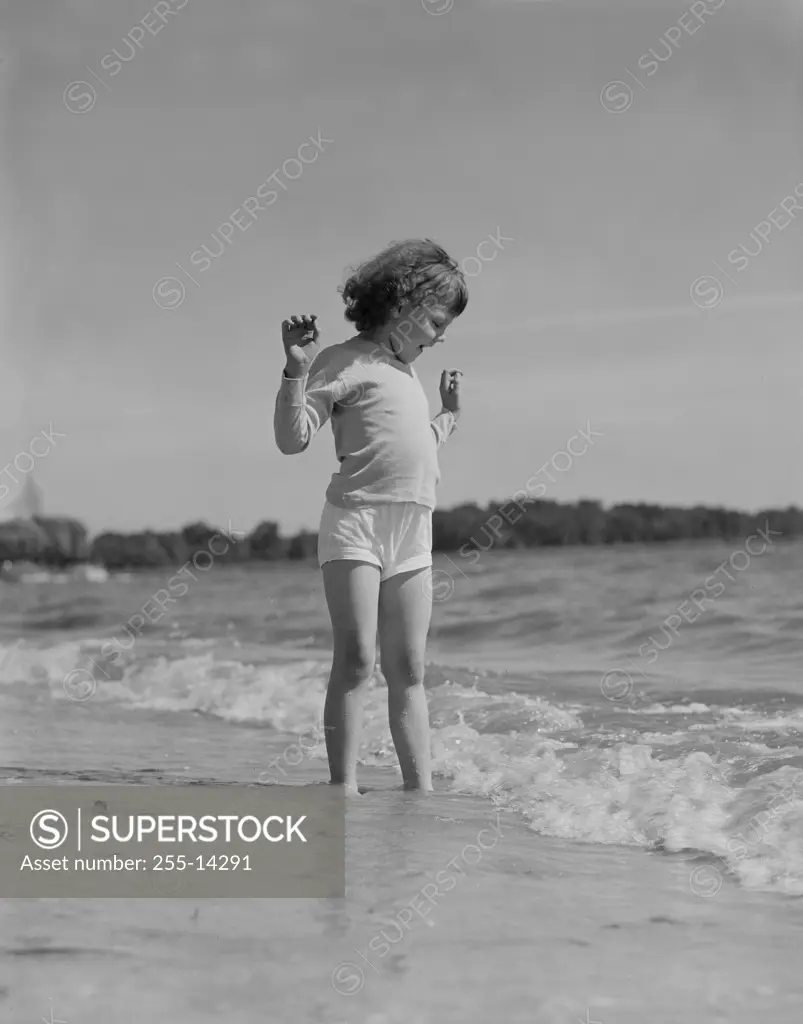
[[417, 326]]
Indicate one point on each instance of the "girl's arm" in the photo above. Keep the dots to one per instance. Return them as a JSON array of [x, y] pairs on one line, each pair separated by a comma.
[[445, 423], [304, 402], [303, 405]]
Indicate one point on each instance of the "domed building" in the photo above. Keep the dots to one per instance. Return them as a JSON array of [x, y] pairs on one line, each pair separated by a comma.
[[26, 535]]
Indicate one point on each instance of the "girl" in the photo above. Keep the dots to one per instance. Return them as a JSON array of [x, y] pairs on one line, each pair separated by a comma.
[[375, 537]]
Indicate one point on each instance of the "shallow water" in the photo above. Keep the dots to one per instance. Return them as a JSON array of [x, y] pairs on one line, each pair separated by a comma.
[[651, 808]]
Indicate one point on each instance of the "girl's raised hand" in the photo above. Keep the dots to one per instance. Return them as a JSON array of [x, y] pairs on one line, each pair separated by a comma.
[[450, 390], [300, 340]]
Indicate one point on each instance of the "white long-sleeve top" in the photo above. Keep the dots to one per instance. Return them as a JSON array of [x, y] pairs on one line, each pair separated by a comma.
[[384, 439]]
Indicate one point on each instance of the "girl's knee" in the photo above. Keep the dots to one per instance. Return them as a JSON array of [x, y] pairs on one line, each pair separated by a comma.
[[354, 657], [403, 668]]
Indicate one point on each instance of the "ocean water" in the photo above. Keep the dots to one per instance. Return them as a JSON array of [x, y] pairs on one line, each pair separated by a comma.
[[630, 718]]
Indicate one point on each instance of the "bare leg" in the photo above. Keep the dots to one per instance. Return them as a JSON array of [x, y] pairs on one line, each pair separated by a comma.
[[405, 608], [352, 594]]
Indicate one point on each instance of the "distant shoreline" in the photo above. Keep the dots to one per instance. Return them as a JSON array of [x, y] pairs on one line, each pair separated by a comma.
[[60, 542]]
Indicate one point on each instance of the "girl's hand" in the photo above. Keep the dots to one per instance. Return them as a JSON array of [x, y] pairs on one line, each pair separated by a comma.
[[300, 340], [450, 390]]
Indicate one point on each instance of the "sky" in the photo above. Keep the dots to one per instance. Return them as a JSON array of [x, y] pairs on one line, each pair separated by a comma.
[[459, 120]]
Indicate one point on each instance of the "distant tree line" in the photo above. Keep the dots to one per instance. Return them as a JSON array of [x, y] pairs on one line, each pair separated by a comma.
[[551, 524], [61, 542]]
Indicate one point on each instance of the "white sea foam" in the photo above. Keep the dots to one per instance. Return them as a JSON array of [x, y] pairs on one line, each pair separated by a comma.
[[522, 751]]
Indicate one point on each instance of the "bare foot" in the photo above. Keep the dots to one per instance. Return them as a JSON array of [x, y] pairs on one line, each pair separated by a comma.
[[349, 789]]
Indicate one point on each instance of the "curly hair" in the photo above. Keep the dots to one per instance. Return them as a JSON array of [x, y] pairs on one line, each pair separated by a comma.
[[405, 271]]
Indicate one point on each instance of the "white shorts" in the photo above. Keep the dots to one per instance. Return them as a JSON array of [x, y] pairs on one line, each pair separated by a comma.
[[397, 536]]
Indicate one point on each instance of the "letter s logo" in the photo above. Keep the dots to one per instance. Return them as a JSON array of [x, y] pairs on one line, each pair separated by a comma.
[[616, 97], [79, 97]]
